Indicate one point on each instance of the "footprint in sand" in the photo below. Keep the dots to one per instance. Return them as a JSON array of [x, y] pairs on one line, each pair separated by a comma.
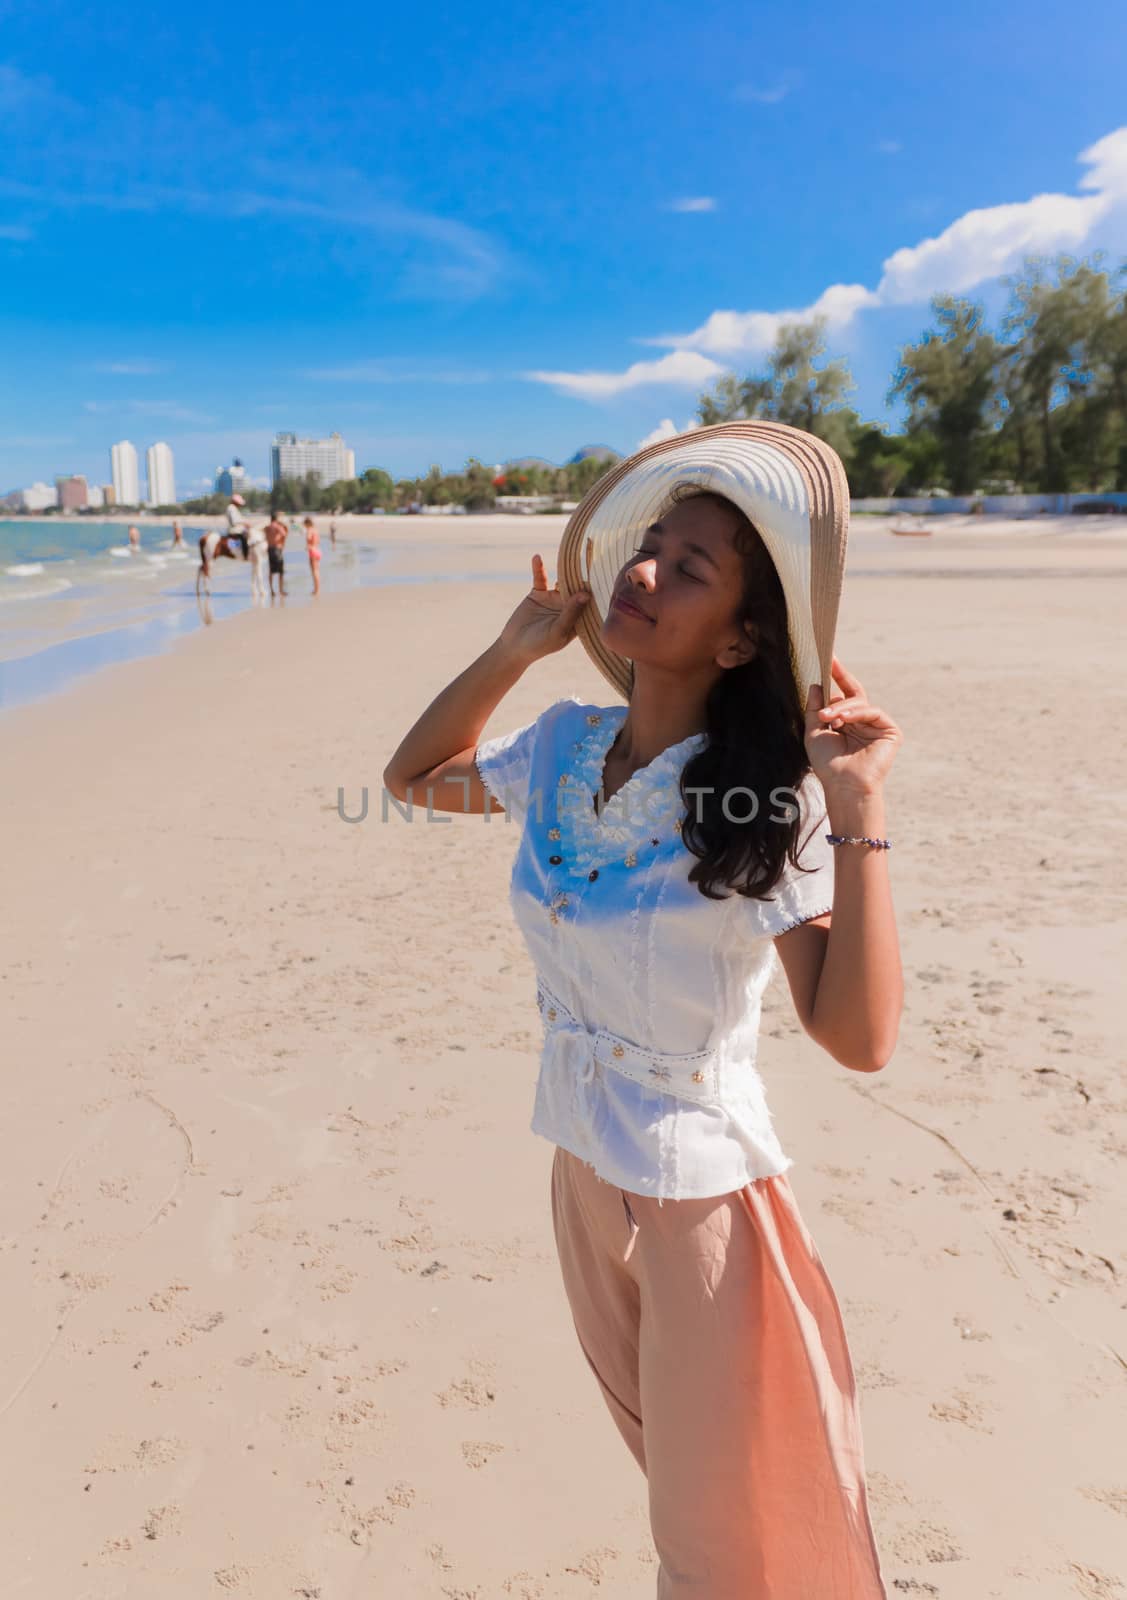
[[1114, 1496], [118, 1179], [925, 1541], [1093, 1584], [523, 1586], [963, 1407], [470, 1392]]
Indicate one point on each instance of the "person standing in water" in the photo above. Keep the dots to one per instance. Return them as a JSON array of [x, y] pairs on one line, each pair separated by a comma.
[[276, 533], [313, 551], [134, 537], [675, 849], [177, 536]]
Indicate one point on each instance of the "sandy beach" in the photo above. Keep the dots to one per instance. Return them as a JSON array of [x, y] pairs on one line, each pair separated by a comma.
[[283, 1314]]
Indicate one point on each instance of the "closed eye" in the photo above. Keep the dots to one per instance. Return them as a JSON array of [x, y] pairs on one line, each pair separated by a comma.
[[682, 568]]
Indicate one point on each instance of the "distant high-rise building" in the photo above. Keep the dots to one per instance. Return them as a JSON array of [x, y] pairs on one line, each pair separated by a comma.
[[40, 497], [71, 490], [158, 470], [126, 479], [330, 459], [109, 498], [232, 480], [94, 497]]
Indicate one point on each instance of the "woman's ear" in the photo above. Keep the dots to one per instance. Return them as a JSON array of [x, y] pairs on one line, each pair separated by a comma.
[[742, 649]]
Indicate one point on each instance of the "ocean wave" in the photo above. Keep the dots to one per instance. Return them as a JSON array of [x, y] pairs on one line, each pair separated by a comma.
[[29, 569], [35, 591]]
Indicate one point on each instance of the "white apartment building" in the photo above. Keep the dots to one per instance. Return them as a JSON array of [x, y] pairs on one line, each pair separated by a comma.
[[330, 459], [158, 470], [39, 497], [126, 479]]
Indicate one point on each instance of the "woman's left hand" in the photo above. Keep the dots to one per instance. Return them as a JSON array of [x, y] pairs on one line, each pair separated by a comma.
[[851, 744]]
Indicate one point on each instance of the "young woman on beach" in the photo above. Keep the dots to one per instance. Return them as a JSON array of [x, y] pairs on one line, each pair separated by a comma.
[[313, 551], [729, 816]]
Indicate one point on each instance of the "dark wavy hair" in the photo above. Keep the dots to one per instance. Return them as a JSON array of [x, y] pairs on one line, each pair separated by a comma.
[[756, 741]]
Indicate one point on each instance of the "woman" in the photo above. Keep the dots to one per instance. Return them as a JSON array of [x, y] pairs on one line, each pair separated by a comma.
[[730, 814], [313, 551]]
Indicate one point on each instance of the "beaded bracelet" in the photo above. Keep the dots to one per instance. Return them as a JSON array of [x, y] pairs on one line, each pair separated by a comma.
[[844, 838]]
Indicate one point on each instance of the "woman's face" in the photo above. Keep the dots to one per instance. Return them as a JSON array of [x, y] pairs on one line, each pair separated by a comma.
[[675, 601]]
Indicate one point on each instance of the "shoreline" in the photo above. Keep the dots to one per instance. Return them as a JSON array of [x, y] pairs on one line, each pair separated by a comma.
[[53, 642]]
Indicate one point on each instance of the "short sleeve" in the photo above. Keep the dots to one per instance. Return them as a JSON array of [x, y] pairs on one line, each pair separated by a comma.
[[505, 764], [799, 895]]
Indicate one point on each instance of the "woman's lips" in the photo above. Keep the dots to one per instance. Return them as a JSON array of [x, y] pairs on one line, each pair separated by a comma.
[[628, 608]]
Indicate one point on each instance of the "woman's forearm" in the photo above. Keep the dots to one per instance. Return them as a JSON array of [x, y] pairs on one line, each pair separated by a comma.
[[454, 719], [860, 992]]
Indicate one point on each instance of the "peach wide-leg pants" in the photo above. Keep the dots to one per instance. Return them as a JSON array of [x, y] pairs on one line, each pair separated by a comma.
[[717, 1342]]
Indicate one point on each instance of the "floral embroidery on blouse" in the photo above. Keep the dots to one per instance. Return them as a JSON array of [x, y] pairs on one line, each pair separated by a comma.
[[645, 807]]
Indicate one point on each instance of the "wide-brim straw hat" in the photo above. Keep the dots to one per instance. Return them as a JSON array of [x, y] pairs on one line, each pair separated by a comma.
[[790, 484]]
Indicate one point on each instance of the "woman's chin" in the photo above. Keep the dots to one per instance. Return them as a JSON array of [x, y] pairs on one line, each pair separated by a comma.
[[625, 635]]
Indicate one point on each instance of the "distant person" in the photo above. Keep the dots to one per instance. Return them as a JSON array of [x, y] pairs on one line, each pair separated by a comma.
[[258, 552], [134, 538], [276, 534], [313, 551], [333, 534], [177, 536], [237, 524]]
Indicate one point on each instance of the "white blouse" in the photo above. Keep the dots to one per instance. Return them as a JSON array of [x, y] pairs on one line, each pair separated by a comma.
[[650, 993]]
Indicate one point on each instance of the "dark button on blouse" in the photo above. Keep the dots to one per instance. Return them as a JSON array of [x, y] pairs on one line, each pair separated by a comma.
[[555, 860], [592, 875]]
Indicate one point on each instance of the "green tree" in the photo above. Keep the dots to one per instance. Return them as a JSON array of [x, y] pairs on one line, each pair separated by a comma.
[[799, 387], [949, 380], [1052, 327]]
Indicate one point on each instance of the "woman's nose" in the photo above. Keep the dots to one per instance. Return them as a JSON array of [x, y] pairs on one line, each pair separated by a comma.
[[643, 572]]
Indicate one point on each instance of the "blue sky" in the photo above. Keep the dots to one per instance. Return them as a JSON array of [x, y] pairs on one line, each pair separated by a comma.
[[506, 230]]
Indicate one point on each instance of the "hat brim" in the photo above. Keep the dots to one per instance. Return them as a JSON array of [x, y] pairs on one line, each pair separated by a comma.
[[789, 483]]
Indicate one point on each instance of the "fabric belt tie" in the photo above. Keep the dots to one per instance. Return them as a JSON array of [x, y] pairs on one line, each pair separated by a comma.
[[694, 1076]]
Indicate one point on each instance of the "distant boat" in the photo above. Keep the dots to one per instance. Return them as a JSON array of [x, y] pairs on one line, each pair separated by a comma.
[[913, 532]]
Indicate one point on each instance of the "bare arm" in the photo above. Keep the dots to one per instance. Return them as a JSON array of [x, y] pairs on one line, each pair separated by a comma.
[[434, 761], [844, 971]]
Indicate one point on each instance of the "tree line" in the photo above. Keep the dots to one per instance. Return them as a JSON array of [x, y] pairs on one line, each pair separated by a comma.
[[1037, 405], [477, 488], [1040, 405]]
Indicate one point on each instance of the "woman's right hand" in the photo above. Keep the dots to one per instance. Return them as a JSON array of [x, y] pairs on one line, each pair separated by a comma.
[[544, 621]]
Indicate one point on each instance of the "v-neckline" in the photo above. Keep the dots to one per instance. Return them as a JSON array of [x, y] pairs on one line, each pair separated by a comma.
[[596, 837]]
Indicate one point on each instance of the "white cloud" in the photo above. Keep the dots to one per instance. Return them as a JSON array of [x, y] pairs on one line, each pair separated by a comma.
[[389, 372], [170, 410], [730, 332], [140, 368], [978, 247], [683, 368], [698, 202], [460, 263], [19, 91], [666, 429], [1108, 161], [771, 96]]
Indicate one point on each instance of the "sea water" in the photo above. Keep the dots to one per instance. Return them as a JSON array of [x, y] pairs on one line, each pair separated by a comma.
[[74, 596]]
